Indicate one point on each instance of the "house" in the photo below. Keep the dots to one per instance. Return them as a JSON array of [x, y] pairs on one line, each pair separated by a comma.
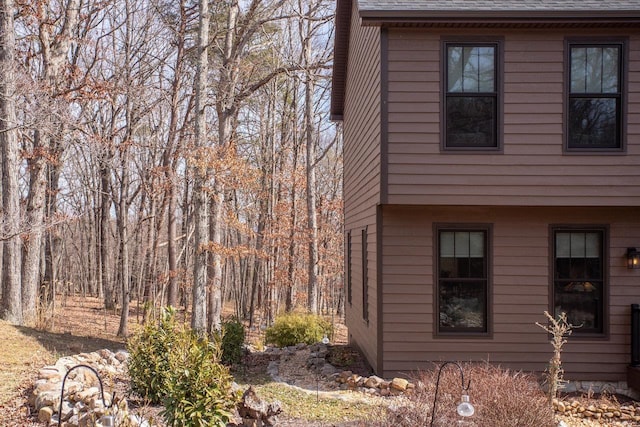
[[491, 173]]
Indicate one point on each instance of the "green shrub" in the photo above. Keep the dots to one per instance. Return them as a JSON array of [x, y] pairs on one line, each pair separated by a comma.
[[232, 340], [294, 328], [199, 389], [173, 366], [149, 351]]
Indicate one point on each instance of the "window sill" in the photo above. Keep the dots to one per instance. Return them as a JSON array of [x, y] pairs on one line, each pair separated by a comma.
[[462, 335]]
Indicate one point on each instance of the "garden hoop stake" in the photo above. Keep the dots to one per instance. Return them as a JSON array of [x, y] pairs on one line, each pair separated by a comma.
[[104, 402]]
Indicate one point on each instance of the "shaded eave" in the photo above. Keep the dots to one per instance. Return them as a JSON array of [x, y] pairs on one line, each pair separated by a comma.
[[340, 51], [459, 19]]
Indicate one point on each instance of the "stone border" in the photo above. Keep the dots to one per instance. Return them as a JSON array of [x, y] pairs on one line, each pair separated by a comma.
[[82, 403]]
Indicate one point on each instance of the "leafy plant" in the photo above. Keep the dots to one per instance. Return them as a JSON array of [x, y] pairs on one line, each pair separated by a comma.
[[149, 351], [233, 335], [199, 389], [294, 328]]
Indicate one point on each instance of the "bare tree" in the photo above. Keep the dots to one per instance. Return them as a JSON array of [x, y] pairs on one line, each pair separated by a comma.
[[11, 275], [53, 42], [201, 175]]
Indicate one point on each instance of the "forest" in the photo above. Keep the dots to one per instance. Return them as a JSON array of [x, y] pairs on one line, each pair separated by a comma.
[[169, 152]]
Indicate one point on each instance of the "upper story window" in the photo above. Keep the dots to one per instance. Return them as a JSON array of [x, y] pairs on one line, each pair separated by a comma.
[[595, 100], [471, 101]]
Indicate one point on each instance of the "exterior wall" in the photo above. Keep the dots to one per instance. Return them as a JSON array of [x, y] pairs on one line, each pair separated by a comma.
[[362, 177], [532, 169], [519, 290]]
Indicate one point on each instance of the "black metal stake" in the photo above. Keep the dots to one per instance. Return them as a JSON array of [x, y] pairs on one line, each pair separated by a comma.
[[435, 397], [104, 402]]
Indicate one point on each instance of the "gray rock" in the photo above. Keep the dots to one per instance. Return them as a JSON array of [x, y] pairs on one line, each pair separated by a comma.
[[328, 370]]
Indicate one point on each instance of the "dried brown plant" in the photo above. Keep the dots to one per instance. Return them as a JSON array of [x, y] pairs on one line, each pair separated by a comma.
[[559, 328], [501, 397]]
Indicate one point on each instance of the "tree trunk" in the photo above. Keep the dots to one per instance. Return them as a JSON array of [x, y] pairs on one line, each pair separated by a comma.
[[200, 198], [35, 218], [123, 232], [168, 162], [312, 219], [215, 279], [11, 254], [53, 241], [105, 204], [293, 220], [47, 144]]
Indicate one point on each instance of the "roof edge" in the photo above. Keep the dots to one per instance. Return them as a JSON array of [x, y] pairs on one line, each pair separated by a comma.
[[378, 17], [340, 51]]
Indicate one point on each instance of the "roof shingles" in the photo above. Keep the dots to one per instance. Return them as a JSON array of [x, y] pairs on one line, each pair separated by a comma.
[[497, 5]]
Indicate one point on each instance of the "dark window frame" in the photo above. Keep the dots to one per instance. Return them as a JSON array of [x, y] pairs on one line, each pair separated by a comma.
[[365, 276], [498, 93], [487, 331], [579, 333], [620, 96]]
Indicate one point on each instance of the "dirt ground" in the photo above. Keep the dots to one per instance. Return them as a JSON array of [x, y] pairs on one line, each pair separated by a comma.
[[81, 325]]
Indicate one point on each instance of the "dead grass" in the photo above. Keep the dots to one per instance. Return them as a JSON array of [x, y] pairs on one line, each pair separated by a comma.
[[20, 355], [307, 407], [75, 328], [80, 324]]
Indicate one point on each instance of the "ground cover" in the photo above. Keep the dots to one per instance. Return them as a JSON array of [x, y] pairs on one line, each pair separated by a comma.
[[81, 325]]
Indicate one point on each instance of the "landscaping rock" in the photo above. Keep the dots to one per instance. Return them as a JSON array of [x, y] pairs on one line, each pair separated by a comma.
[[82, 405], [609, 412], [45, 414], [255, 411], [399, 384]]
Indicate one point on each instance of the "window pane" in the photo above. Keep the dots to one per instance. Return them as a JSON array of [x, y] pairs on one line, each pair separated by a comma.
[[578, 69], [582, 301], [563, 245], [610, 58], [592, 245], [462, 244], [577, 245], [594, 70], [448, 267], [471, 70], [486, 61], [446, 244], [476, 244], [477, 268], [563, 268], [454, 68], [471, 121], [593, 268], [462, 305], [593, 123]]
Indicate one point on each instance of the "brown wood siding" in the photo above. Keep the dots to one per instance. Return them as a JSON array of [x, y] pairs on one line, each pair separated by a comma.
[[362, 177], [532, 168], [519, 290]]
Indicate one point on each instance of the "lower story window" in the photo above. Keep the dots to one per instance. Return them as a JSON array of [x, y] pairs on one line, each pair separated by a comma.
[[463, 280], [578, 278]]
